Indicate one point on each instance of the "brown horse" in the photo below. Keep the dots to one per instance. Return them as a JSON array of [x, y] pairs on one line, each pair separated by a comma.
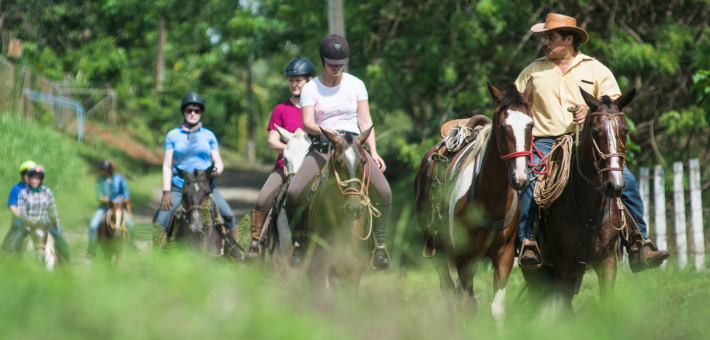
[[580, 229], [338, 217], [482, 202], [113, 234], [198, 221]]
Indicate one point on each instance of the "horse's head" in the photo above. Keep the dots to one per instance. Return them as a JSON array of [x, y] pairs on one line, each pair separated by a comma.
[[350, 170], [194, 192], [297, 145], [605, 136], [118, 209], [512, 131]]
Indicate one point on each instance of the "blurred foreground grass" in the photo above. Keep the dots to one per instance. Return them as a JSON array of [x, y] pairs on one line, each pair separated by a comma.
[[190, 297]]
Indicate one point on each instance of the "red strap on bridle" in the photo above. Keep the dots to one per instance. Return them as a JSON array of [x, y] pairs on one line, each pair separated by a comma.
[[528, 153]]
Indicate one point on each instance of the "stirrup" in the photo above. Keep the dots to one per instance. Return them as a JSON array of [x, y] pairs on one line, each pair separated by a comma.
[[372, 259], [532, 246]]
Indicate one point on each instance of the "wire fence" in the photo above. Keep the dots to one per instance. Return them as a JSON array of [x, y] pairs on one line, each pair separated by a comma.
[[66, 104]]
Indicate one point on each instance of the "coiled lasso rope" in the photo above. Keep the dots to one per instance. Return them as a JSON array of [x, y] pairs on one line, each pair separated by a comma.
[[550, 185], [456, 138]]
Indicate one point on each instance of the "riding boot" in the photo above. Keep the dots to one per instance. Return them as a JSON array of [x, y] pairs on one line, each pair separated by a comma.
[[298, 236], [529, 258], [380, 258], [257, 223], [649, 258]]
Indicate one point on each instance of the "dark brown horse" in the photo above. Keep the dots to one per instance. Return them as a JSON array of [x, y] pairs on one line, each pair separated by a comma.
[[580, 229], [482, 203], [338, 217], [199, 223], [113, 234]]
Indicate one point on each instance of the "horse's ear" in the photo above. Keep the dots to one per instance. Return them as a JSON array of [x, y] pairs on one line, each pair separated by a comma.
[[284, 133], [528, 93], [593, 103], [181, 173], [364, 135], [624, 100], [333, 138], [497, 95]]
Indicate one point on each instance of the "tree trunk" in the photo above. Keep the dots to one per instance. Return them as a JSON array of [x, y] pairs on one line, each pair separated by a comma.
[[160, 66], [251, 152]]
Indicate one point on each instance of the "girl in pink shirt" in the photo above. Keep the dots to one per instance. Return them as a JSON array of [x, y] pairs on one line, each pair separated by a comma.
[[288, 116]]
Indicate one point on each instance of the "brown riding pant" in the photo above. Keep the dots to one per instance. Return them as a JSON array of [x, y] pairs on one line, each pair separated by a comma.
[[315, 161], [268, 192]]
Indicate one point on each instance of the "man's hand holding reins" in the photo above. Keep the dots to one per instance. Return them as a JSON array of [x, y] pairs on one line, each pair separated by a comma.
[[580, 114]]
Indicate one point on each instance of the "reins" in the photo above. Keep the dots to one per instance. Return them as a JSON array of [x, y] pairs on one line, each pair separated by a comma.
[[363, 193], [602, 155]]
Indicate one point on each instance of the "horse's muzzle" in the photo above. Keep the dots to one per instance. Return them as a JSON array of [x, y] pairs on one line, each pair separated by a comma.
[[615, 184], [354, 211]]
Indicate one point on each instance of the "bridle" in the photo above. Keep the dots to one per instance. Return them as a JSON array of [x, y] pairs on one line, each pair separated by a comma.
[[596, 150], [363, 192], [194, 207], [526, 153]]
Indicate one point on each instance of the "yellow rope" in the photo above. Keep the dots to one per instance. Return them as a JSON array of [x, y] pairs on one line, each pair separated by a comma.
[[366, 202], [551, 184]]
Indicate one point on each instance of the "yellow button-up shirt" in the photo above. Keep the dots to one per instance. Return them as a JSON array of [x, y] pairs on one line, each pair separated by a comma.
[[554, 91]]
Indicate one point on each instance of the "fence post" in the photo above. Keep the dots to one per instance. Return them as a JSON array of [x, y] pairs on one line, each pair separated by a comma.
[[659, 210], [696, 208], [679, 209], [644, 189]]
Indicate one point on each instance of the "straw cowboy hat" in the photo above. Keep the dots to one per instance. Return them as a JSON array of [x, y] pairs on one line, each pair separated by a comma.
[[561, 22]]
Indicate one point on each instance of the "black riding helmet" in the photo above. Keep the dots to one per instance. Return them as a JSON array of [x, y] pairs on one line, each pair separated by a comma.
[[105, 165], [300, 67], [192, 99], [334, 49]]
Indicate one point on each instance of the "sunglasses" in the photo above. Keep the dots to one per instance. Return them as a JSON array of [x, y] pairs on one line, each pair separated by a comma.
[[195, 111]]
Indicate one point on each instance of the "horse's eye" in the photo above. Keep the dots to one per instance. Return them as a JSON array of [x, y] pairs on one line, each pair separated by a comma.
[[595, 133]]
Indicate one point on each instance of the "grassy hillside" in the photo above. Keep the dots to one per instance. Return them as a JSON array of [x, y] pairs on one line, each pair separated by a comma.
[[69, 165]]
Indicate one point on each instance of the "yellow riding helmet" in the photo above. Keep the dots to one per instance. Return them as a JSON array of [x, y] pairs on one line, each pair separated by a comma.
[[27, 165]]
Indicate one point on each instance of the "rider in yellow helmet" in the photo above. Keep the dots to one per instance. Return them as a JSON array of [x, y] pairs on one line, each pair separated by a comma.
[[12, 202]]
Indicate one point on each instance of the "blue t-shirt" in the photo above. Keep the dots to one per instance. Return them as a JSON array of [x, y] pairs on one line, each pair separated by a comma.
[[112, 187], [191, 150], [12, 200]]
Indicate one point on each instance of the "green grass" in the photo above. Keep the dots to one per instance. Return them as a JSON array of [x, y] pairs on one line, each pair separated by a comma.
[[162, 298]]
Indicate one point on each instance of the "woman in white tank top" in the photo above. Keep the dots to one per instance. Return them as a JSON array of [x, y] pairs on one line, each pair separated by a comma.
[[337, 102]]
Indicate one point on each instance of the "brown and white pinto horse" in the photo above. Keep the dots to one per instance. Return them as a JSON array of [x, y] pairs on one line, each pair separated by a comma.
[[113, 234], [581, 227], [482, 203]]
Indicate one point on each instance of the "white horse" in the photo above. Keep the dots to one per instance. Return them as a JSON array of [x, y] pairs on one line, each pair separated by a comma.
[[297, 146], [40, 245]]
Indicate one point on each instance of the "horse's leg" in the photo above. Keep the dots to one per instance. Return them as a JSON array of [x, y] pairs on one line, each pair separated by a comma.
[[467, 268], [502, 259], [565, 279], [317, 272], [441, 265], [606, 272]]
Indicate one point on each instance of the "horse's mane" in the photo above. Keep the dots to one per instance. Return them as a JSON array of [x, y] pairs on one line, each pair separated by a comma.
[[348, 137], [607, 101], [511, 97]]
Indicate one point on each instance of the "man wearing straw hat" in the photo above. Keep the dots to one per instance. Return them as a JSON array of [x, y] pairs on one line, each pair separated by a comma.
[[557, 78]]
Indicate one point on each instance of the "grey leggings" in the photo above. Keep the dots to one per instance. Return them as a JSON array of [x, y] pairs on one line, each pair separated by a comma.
[[163, 217], [268, 192], [380, 192]]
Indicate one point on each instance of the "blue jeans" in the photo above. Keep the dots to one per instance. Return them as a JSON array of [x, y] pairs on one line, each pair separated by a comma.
[[60, 242], [96, 221], [631, 196], [163, 217]]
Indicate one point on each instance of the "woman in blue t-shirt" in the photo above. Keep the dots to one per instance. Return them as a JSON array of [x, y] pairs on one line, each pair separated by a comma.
[[190, 147]]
